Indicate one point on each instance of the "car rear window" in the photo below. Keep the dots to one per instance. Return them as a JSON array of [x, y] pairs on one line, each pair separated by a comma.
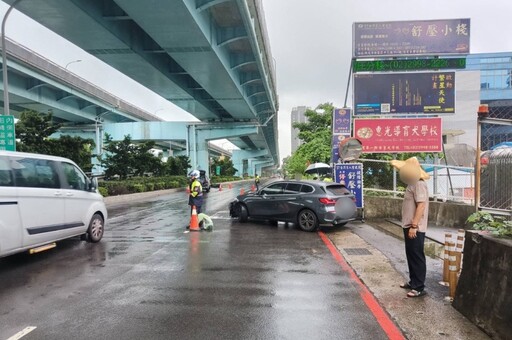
[[337, 190]]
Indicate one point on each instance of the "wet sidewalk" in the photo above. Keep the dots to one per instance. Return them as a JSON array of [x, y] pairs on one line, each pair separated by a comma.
[[379, 260]]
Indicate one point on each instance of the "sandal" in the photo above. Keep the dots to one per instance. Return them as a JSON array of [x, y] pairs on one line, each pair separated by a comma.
[[414, 293], [406, 286]]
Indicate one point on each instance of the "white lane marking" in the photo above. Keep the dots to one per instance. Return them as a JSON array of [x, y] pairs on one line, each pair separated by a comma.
[[22, 333]]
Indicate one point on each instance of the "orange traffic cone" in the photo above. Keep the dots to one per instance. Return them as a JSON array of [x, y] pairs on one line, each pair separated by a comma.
[[220, 187], [242, 191], [194, 220], [188, 190], [253, 188], [230, 186]]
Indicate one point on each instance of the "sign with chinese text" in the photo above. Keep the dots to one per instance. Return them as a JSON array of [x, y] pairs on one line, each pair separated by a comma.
[[342, 121], [399, 135], [351, 175], [399, 93], [394, 65], [7, 133], [336, 139], [409, 38]]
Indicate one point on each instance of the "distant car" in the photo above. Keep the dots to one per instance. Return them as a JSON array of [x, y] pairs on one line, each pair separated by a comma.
[[205, 180], [309, 204]]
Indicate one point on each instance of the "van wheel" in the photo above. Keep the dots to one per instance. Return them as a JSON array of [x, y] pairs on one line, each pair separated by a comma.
[[96, 229], [307, 220]]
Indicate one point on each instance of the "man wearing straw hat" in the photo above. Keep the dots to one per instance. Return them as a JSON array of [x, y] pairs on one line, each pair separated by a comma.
[[414, 222]]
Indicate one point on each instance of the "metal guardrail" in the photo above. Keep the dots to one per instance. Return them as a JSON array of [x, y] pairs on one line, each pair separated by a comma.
[[446, 183], [34, 60]]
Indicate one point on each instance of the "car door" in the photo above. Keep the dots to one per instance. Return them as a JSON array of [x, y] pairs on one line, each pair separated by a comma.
[[293, 199], [269, 205], [11, 230], [40, 199], [78, 199]]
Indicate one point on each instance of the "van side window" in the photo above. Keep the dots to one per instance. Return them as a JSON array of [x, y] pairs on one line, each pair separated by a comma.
[[35, 173], [5, 173], [75, 177]]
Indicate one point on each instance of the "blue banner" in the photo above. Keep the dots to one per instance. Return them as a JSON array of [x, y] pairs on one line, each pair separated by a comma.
[[336, 139], [409, 38], [351, 175], [342, 121]]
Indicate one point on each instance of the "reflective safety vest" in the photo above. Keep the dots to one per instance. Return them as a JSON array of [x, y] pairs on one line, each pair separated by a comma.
[[196, 189]]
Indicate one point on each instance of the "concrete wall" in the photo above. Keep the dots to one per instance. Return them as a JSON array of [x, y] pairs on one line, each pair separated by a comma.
[[484, 291], [450, 215]]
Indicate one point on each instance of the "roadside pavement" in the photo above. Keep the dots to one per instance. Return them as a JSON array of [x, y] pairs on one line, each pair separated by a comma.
[[379, 260]]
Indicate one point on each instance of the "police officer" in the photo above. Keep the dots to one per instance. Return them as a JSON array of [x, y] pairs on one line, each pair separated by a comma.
[[196, 192], [257, 182]]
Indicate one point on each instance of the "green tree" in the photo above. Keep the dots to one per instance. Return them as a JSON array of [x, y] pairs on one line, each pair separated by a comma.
[[124, 158], [34, 130], [227, 167], [178, 165], [316, 135]]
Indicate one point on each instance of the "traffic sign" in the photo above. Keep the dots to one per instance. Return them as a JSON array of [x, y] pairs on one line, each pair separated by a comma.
[[7, 133]]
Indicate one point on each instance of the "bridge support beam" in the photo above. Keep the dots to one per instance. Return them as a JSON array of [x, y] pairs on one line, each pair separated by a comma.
[[241, 160], [200, 135]]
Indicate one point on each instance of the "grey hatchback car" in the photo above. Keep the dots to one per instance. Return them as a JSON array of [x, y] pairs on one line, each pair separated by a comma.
[[309, 204]]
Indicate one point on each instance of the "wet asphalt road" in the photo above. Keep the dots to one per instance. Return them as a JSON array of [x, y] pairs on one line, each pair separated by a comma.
[[148, 279]]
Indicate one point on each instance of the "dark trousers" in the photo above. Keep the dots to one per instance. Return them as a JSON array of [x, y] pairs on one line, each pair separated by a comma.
[[414, 250], [198, 209]]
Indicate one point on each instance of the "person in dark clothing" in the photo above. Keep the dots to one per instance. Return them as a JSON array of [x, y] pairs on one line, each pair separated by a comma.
[[414, 223]]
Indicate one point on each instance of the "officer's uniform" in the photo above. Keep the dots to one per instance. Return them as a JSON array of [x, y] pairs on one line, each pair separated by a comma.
[[196, 195]]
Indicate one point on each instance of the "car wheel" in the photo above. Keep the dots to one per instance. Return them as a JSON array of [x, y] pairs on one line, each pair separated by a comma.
[[243, 214], [96, 229], [307, 220]]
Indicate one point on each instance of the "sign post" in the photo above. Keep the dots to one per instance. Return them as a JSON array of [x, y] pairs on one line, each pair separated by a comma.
[[7, 133], [351, 175]]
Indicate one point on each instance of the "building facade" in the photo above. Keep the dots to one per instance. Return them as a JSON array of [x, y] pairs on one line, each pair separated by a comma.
[[496, 91], [298, 116]]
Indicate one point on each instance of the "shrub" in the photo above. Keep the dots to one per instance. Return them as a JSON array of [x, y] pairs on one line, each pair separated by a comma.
[[103, 191], [497, 225]]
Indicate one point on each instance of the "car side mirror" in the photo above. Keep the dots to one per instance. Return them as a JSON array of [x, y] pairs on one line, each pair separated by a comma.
[[93, 184]]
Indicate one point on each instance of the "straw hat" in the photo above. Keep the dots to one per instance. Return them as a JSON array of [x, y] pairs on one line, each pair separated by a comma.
[[410, 170]]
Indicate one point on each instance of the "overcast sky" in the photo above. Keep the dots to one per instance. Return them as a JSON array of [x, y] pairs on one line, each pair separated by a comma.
[[311, 41]]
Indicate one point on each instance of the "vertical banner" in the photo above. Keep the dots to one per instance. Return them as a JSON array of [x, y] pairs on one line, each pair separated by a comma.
[[342, 121], [7, 133], [341, 129], [351, 175]]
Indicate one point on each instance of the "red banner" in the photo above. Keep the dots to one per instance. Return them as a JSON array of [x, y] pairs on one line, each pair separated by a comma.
[[399, 135]]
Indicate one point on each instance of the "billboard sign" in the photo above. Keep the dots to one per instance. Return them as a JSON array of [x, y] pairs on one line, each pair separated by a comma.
[[399, 135], [400, 93], [351, 175], [7, 133], [336, 139], [342, 121], [410, 38]]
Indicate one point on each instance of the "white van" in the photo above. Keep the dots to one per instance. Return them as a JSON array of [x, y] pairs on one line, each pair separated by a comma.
[[44, 199]]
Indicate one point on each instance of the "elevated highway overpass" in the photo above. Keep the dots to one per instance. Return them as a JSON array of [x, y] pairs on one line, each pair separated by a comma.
[[210, 57], [84, 109]]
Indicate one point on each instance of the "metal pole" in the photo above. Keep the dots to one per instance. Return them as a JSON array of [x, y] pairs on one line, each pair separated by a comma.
[[478, 165], [394, 177], [72, 62], [4, 59], [436, 176], [448, 172], [348, 81]]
